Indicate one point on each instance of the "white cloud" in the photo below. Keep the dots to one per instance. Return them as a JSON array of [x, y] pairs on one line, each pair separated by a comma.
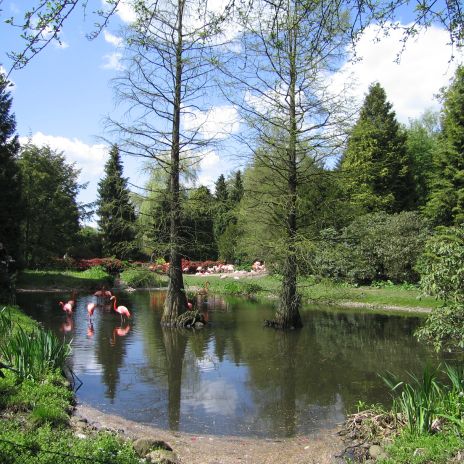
[[211, 167], [89, 158], [126, 11], [218, 123], [113, 61], [112, 39], [411, 84]]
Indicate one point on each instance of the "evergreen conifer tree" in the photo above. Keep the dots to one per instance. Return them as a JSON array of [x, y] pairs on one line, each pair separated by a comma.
[[116, 212], [236, 193], [376, 163], [446, 202], [10, 184]]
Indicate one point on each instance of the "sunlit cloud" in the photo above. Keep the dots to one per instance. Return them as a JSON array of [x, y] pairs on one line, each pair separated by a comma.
[[112, 39], [211, 167], [90, 159], [113, 61], [126, 11], [218, 123], [411, 84]]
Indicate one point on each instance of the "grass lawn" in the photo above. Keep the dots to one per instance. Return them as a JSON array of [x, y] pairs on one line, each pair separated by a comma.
[[89, 279], [326, 292]]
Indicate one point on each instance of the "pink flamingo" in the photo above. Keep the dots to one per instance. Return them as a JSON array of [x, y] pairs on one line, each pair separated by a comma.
[[67, 308], [99, 294], [107, 294], [122, 310], [72, 301], [90, 330], [67, 326], [90, 309]]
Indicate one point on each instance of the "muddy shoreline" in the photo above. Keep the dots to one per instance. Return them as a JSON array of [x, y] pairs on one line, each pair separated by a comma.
[[318, 448]]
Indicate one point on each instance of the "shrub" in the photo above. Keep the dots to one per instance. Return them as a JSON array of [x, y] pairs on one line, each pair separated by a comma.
[[242, 288], [442, 275], [442, 264], [140, 277], [373, 247], [111, 265]]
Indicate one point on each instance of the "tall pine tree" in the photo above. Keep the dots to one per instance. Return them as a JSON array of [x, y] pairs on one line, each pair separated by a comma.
[[10, 182], [116, 212], [446, 201], [376, 164]]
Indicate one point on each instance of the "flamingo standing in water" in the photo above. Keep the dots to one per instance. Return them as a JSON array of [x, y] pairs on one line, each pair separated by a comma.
[[122, 310], [67, 308], [72, 301], [107, 294], [90, 309]]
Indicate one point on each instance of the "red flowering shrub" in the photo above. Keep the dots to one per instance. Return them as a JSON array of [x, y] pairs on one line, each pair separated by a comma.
[[111, 265]]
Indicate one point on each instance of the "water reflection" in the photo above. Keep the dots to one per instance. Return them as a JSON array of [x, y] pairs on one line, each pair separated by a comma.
[[233, 377]]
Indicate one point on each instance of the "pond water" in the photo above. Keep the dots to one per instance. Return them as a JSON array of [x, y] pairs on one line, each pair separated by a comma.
[[233, 377]]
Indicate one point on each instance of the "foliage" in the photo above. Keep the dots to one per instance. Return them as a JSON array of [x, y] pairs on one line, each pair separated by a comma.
[[426, 400], [11, 211], [417, 400], [242, 288], [446, 202], [140, 277], [115, 210], [442, 275], [64, 279], [110, 265], [88, 244], [422, 142], [51, 211], [376, 246], [34, 353], [442, 264], [197, 225], [49, 445], [436, 449], [376, 164], [443, 327]]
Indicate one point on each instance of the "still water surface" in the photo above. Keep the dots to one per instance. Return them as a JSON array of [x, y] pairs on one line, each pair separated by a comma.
[[233, 377]]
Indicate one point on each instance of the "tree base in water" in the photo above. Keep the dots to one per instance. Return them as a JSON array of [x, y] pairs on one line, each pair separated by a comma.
[[277, 325], [188, 320]]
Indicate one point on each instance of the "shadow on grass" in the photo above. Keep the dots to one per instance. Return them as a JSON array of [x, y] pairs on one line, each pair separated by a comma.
[[42, 280]]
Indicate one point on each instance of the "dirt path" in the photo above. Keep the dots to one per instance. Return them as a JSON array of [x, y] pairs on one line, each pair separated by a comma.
[[320, 448]]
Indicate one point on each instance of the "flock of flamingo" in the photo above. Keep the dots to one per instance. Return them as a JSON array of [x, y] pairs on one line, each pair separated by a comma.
[[101, 296]]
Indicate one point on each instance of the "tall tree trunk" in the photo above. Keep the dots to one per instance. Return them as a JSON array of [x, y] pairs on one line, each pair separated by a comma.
[[176, 301], [174, 344], [288, 314]]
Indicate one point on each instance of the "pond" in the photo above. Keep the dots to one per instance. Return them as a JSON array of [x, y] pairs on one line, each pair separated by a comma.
[[233, 377]]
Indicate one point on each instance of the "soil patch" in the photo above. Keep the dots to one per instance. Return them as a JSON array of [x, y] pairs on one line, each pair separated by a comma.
[[319, 448]]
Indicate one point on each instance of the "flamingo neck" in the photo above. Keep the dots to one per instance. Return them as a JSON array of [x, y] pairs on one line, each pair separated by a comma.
[[114, 303]]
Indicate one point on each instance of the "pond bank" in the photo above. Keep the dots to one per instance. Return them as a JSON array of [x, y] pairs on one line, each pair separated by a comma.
[[320, 448]]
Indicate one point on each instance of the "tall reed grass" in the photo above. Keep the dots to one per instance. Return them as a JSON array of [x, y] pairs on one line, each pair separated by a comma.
[[426, 401], [32, 353]]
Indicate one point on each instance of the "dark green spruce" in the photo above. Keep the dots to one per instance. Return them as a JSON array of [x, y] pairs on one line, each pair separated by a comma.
[[115, 210]]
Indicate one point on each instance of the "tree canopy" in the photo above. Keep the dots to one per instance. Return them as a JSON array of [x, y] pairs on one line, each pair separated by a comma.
[[115, 210], [376, 163], [10, 180]]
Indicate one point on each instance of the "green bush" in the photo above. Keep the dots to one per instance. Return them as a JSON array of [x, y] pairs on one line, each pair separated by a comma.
[[242, 288], [442, 264], [374, 247], [442, 275], [139, 277]]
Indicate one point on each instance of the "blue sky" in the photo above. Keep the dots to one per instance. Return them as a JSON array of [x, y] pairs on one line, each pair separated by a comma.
[[63, 95]]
